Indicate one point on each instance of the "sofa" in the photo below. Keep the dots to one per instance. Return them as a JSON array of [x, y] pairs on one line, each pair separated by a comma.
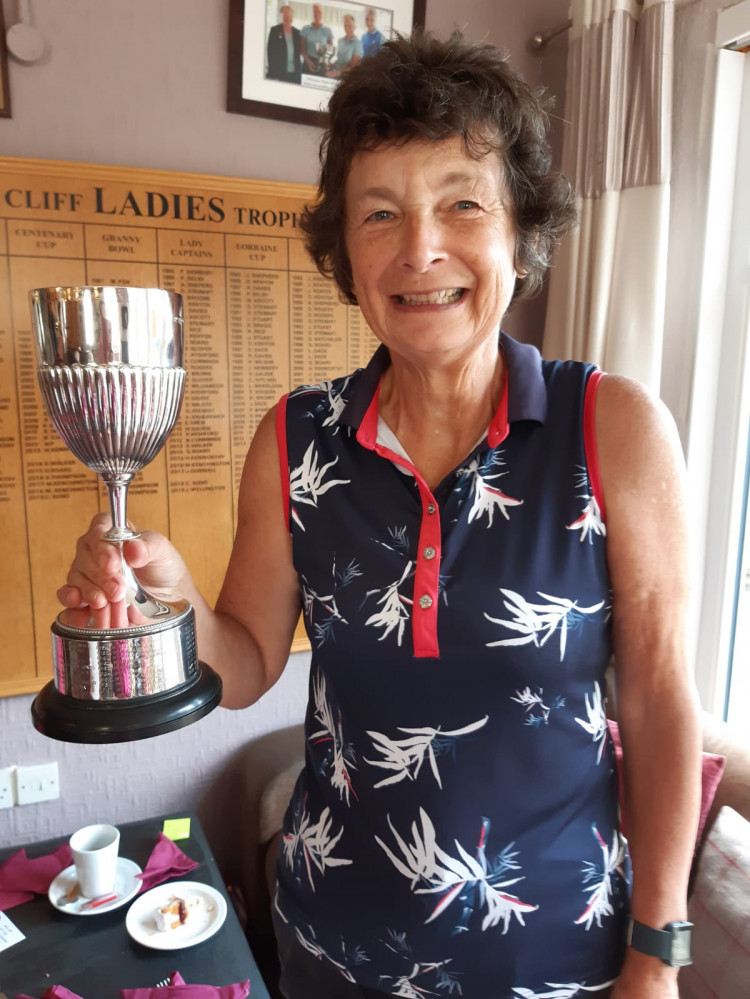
[[270, 767], [719, 903]]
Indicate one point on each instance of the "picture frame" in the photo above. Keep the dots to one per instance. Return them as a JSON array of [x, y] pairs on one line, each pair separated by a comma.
[[255, 87], [4, 85]]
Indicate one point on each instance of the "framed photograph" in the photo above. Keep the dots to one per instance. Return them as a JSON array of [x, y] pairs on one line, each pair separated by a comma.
[[285, 59], [4, 89]]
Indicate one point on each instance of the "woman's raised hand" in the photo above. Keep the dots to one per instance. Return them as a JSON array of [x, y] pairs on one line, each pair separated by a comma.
[[95, 593]]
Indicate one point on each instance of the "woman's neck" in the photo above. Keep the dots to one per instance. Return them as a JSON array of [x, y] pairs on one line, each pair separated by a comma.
[[439, 414]]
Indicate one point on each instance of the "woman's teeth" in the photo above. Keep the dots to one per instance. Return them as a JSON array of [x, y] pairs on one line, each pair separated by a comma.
[[443, 297]]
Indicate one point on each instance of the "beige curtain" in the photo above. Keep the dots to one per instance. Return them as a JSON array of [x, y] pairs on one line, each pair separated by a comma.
[[608, 279]]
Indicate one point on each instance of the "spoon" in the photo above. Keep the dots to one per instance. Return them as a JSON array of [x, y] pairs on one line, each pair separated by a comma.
[[70, 896], [24, 41]]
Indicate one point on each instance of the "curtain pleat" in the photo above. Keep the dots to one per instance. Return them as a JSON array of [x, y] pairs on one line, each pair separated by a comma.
[[608, 280]]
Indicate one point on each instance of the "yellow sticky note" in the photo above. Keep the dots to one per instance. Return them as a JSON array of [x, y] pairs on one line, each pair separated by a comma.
[[176, 828]]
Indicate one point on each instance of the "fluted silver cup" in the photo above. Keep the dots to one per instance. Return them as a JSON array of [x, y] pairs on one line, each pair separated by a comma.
[[111, 375]]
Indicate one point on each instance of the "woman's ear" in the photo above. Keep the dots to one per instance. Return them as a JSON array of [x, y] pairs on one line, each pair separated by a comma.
[[522, 270]]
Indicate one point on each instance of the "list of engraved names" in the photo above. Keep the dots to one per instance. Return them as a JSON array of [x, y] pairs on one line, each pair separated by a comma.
[[259, 320]]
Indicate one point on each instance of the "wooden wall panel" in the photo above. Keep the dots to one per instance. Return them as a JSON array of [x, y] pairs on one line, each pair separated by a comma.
[[259, 320]]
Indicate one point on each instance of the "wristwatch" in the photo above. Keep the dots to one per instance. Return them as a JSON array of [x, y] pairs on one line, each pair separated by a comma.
[[671, 945]]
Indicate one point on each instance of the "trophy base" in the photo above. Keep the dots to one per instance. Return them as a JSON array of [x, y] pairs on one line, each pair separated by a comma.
[[126, 664], [69, 719]]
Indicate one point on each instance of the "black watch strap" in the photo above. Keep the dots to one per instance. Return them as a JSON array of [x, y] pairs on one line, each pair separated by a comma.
[[671, 945]]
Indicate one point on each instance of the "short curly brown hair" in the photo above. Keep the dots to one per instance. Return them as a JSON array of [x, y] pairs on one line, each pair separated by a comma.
[[425, 88]]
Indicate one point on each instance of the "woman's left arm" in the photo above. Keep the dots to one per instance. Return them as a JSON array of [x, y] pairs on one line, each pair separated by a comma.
[[643, 482]]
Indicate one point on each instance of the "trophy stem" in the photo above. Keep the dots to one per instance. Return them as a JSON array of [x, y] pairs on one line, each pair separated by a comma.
[[117, 487], [142, 602]]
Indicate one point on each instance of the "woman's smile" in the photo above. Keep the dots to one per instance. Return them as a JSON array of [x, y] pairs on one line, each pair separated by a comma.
[[432, 247], [445, 296]]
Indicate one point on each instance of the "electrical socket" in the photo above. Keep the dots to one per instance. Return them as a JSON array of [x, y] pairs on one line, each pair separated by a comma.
[[7, 797], [37, 783]]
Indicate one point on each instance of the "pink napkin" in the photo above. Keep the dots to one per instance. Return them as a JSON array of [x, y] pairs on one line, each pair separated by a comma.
[[22, 878], [166, 861], [177, 989]]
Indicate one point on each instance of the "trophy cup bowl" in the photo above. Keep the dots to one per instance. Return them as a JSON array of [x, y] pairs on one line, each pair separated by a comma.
[[111, 376]]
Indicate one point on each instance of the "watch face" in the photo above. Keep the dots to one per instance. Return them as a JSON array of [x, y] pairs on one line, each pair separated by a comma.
[[681, 937]]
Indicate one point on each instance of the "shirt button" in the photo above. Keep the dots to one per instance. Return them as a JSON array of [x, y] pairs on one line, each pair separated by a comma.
[[429, 552], [425, 601], [431, 508]]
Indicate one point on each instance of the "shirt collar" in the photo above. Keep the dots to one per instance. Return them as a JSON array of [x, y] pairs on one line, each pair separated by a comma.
[[527, 391]]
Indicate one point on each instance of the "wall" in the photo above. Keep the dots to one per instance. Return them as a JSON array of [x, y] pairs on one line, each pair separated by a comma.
[[142, 83]]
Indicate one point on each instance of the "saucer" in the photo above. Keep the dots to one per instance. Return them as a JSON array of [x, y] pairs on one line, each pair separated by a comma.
[[207, 910], [126, 885]]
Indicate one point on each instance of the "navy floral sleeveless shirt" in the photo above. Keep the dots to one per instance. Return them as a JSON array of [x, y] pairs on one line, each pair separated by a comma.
[[455, 829]]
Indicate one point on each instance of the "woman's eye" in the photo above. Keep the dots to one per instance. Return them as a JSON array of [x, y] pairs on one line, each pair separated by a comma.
[[381, 215], [465, 205]]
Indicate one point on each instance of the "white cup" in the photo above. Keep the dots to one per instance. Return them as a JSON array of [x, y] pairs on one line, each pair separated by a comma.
[[94, 850]]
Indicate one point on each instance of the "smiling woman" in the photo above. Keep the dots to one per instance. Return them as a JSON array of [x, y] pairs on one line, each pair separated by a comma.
[[433, 251], [496, 112], [447, 610]]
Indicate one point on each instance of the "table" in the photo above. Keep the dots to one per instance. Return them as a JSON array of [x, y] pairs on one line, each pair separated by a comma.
[[95, 957]]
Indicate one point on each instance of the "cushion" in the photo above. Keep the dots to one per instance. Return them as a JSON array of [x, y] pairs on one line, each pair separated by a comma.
[[275, 799], [720, 910], [712, 767]]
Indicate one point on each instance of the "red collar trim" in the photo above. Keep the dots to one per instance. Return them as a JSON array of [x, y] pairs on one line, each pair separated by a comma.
[[367, 433], [499, 428]]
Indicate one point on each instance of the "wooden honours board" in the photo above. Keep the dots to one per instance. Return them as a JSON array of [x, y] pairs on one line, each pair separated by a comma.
[[259, 320]]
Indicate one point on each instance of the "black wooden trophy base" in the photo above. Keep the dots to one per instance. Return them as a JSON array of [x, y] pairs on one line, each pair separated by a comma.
[[71, 719]]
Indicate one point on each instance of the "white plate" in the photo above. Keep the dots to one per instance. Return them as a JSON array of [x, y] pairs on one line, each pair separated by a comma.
[[126, 885], [207, 910]]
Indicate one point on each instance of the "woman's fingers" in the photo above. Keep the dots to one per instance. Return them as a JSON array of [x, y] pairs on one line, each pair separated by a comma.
[[83, 616], [137, 553], [94, 557], [80, 618], [118, 614], [95, 589], [158, 565], [95, 576], [111, 615]]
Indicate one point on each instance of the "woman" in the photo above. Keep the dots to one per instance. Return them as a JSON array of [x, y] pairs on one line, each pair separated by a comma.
[[284, 50], [348, 50], [469, 531]]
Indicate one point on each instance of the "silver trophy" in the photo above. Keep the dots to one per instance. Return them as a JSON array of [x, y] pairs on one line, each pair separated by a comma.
[[111, 375], [324, 57]]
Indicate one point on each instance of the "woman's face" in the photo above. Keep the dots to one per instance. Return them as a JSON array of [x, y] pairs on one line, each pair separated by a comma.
[[432, 247]]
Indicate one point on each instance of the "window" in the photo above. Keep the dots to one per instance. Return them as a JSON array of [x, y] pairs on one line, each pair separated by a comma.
[[723, 645]]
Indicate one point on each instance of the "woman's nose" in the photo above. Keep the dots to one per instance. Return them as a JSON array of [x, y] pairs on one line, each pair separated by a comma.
[[422, 241]]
